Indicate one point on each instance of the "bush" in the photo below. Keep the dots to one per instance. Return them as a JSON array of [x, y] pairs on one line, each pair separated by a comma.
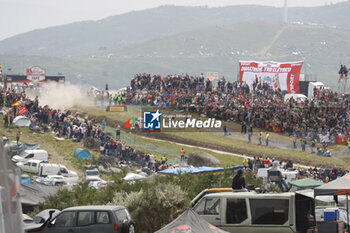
[[91, 143], [161, 204]]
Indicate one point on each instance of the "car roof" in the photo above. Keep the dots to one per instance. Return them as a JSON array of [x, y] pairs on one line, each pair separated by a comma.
[[95, 207], [249, 194]]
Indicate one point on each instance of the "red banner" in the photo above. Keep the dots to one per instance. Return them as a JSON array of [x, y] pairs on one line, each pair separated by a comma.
[[22, 110], [341, 140], [278, 75]]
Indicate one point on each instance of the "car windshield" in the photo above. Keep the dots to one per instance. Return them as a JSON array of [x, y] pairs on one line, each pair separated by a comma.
[[92, 173]]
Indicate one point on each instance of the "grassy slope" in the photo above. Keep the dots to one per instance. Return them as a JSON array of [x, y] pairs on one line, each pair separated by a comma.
[[220, 142]]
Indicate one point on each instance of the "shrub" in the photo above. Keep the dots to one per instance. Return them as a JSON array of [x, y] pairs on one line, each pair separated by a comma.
[[161, 204]]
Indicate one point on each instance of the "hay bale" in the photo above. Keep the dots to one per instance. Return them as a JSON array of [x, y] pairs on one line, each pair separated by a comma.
[[200, 158]]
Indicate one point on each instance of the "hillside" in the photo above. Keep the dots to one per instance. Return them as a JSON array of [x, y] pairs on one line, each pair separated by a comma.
[[139, 26], [216, 48]]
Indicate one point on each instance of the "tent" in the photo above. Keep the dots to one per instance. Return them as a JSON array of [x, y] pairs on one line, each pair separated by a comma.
[[340, 186], [190, 221], [306, 183], [33, 194], [21, 121], [82, 154], [198, 170], [12, 148], [133, 176]]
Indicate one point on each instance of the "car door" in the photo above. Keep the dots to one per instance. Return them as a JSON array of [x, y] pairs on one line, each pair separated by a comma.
[[64, 222], [94, 221], [86, 222], [33, 167], [104, 221], [210, 209]]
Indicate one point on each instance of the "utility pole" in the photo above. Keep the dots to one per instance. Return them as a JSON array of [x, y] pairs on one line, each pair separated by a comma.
[[285, 15]]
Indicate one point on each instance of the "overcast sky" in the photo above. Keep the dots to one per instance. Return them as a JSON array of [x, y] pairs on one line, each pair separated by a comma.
[[18, 16]]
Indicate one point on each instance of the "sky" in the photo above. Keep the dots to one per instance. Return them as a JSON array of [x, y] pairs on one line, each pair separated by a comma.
[[19, 16]]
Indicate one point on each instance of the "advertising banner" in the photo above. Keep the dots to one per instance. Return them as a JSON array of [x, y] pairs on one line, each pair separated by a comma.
[[36, 73], [278, 75]]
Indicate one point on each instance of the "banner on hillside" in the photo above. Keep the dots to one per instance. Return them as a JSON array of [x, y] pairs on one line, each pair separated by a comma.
[[278, 75]]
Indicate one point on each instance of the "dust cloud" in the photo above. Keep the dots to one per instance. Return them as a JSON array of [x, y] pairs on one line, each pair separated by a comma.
[[60, 96]]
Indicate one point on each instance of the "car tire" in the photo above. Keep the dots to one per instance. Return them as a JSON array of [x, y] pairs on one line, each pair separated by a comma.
[[131, 228]]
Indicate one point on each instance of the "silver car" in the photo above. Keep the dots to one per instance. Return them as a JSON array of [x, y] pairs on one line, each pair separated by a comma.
[[91, 219]]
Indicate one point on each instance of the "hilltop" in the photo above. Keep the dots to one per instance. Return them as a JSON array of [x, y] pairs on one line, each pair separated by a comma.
[[212, 49], [139, 26]]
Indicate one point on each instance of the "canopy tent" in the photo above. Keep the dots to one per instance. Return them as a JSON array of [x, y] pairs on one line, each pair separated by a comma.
[[133, 176], [306, 183], [198, 170], [340, 186], [21, 121], [33, 194], [190, 221], [82, 154], [12, 148]]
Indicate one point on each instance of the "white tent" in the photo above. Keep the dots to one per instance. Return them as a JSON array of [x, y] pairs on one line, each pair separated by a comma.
[[133, 176], [21, 121]]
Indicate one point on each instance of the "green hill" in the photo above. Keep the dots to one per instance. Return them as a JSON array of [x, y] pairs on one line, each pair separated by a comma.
[[213, 49], [139, 26]]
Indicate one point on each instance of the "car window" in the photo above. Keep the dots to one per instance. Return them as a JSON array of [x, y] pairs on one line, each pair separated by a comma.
[[269, 211], [27, 164], [63, 170], [212, 206], [65, 219], [102, 217], [29, 156], [121, 215], [86, 218], [236, 211], [34, 164], [200, 208]]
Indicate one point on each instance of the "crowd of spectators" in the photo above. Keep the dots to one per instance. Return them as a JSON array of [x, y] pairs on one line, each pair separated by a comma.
[[323, 174], [322, 118], [66, 125]]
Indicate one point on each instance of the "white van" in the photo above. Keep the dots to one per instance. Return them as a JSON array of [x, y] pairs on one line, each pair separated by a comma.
[[249, 212], [31, 166], [31, 154], [47, 169]]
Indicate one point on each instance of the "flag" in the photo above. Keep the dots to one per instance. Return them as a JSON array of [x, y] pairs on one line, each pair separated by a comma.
[[128, 123], [16, 103], [2, 66], [22, 110], [341, 77], [132, 120]]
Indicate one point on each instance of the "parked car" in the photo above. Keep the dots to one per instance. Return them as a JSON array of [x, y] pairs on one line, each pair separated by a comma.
[[91, 174], [47, 169], [90, 219], [37, 154], [248, 212], [31, 166]]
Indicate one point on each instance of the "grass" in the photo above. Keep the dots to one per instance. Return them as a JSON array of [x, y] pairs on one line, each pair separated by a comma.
[[59, 151], [220, 142], [226, 160]]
